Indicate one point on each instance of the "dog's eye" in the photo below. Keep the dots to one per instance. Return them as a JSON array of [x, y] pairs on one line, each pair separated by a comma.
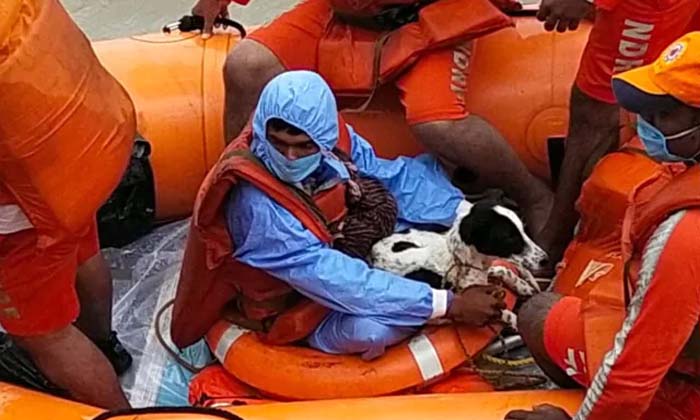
[[402, 246]]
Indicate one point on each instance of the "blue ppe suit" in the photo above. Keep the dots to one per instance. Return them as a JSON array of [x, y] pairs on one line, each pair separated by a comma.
[[371, 309]]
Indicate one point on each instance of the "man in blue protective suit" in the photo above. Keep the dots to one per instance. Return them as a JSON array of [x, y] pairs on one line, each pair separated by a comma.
[[283, 189]]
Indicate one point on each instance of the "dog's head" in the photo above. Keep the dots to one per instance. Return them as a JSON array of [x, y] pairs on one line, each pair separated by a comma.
[[492, 229]]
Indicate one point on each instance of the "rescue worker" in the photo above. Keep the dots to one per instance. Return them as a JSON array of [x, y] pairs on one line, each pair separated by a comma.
[[650, 371], [261, 194], [57, 306], [626, 34], [65, 139], [433, 88]]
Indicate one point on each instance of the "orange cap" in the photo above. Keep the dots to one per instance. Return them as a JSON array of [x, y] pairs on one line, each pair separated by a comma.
[[674, 76]]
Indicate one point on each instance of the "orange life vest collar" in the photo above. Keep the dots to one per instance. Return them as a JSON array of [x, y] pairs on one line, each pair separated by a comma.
[[356, 60]]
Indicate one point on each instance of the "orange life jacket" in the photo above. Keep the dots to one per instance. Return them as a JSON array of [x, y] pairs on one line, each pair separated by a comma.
[[374, 8], [355, 58], [67, 125], [624, 200], [212, 283], [680, 193]]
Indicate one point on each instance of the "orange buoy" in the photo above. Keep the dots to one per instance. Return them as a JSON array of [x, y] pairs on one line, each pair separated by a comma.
[[299, 373]]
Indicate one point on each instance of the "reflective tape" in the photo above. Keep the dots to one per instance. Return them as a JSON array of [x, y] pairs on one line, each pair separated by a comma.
[[426, 356], [228, 338]]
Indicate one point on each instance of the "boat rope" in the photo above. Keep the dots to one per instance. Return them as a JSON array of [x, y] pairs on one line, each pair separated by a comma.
[[508, 362], [173, 353]]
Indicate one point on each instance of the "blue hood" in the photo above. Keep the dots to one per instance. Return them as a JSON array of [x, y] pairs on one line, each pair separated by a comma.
[[304, 100]]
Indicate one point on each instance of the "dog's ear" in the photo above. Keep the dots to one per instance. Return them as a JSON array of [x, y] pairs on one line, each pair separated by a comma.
[[490, 233], [505, 239], [467, 226]]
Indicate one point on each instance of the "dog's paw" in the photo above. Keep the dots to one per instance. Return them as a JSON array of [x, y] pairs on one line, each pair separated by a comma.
[[510, 319], [514, 277]]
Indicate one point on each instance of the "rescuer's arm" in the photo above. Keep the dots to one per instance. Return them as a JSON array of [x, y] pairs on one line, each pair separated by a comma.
[[269, 237], [660, 318]]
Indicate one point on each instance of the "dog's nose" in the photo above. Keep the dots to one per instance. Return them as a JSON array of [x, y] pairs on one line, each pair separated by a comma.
[[544, 262]]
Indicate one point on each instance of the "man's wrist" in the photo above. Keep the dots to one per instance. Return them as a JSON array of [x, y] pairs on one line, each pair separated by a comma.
[[441, 302]]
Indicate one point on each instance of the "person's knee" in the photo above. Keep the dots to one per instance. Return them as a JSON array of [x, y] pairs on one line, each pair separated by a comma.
[[370, 338], [532, 316], [471, 126], [371, 341], [40, 343], [250, 64]]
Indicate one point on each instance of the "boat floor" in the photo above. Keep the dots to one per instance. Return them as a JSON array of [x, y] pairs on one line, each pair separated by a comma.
[[145, 275]]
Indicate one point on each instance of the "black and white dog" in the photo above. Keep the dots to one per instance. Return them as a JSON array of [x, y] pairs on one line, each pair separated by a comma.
[[462, 256]]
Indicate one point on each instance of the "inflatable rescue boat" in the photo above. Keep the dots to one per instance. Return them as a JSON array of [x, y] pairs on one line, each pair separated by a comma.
[[520, 79], [20, 404]]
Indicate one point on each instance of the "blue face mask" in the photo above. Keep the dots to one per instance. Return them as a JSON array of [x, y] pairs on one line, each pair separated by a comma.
[[655, 142], [291, 171]]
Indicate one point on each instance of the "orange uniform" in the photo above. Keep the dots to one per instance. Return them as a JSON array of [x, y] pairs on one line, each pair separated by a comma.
[[432, 88], [634, 339], [65, 139], [628, 34], [649, 378], [37, 292]]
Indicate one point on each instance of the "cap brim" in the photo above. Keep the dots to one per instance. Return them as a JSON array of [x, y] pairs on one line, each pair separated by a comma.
[[636, 92]]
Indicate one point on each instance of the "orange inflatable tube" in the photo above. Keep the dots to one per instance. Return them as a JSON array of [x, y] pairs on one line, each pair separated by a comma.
[[177, 88], [478, 406], [67, 126], [21, 404], [519, 81], [300, 373]]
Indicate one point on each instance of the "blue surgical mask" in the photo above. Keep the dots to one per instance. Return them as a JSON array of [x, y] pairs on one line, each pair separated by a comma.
[[291, 171], [655, 142]]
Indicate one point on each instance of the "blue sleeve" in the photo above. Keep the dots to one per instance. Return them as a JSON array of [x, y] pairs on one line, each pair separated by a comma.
[[268, 237], [423, 192]]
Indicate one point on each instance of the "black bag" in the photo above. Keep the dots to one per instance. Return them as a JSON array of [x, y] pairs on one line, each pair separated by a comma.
[[130, 211]]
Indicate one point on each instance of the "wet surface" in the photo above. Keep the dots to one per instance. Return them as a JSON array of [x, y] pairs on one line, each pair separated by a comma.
[[105, 19]]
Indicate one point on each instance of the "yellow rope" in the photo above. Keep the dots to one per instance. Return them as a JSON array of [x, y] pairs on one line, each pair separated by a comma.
[[506, 362]]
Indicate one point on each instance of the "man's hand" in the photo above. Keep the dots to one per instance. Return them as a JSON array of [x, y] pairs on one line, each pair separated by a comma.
[[477, 305], [210, 10], [563, 14], [540, 412], [508, 5]]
